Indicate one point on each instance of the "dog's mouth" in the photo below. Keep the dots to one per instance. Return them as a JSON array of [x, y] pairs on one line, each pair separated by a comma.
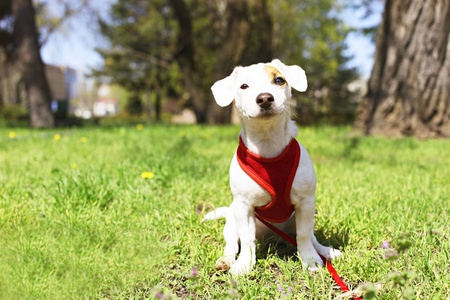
[[270, 112], [266, 113], [262, 113]]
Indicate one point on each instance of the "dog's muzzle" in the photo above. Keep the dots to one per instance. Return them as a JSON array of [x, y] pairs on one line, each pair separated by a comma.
[[265, 100]]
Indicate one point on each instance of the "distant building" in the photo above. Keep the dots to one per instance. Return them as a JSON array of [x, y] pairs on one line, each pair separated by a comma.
[[63, 85], [105, 107], [106, 103]]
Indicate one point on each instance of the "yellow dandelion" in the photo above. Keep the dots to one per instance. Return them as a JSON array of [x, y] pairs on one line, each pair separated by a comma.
[[148, 175], [182, 134], [74, 166], [83, 139], [207, 136], [12, 135], [57, 137], [139, 127]]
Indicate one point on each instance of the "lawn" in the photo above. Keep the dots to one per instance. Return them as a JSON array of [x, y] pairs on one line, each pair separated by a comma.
[[114, 213]]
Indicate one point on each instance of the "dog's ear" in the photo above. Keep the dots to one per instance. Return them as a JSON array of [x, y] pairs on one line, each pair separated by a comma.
[[224, 89], [294, 75]]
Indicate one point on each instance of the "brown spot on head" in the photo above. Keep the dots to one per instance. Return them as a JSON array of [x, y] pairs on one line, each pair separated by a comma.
[[273, 73]]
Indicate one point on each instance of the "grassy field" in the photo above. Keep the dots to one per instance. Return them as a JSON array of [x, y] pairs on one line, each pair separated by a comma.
[[101, 213]]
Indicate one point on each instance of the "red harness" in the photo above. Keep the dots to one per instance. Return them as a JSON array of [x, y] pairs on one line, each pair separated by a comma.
[[275, 175]]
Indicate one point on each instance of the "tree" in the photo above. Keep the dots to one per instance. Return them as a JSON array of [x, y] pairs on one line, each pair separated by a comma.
[[238, 33], [6, 47], [204, 40], [310, 34], [409, 87], [150, 52], [139, 58], [45, 22], [31, 65], [247, 32]]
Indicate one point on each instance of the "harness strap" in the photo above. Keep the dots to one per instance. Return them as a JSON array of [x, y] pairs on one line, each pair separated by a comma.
[[293, 242]]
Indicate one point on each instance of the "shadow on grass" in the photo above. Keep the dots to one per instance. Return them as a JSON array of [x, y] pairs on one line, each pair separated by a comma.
[[334, 237], [275, 247], [351, 149], [282, 249]]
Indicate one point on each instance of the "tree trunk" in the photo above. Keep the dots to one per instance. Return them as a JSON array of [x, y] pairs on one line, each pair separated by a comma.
[[185, 58], [148, 103], [159, 95], [259, 39], [4, 77], [409, 87], [248, 40], [230, 54], [31, 65]]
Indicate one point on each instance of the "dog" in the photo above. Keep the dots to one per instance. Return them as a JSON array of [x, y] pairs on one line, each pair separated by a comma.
[[262, 96]]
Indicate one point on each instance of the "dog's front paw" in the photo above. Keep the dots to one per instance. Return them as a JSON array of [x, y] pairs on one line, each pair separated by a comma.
[[241, 267], [224, 263], [311, 260]]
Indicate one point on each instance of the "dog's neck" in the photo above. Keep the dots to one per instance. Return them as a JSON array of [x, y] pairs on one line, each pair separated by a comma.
[[268, 137]]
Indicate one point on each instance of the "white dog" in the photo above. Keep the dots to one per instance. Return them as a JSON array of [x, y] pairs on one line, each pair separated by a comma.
[[262, 93]]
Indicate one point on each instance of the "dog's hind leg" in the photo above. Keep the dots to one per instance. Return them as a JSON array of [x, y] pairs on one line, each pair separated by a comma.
[[327, 252]]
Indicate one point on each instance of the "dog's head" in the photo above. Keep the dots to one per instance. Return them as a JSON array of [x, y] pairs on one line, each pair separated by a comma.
[[260, 90]]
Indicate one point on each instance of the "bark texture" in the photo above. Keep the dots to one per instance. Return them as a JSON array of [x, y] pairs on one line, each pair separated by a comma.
[[31, 65], [185, 57], [409, 87]]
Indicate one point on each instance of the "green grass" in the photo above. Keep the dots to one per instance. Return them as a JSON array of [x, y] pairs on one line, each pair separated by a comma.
[[78, 221]]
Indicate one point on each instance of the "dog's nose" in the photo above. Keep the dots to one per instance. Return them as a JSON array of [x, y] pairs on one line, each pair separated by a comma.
[[264, 100]]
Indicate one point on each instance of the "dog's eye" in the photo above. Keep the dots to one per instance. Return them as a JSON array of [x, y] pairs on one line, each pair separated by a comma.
[[279, 81], [244, 86]]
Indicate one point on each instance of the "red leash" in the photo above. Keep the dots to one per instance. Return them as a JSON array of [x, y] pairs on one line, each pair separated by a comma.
[[293, 242]]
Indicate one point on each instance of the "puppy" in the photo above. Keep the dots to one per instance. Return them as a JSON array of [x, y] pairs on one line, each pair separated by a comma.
[[284, 194]]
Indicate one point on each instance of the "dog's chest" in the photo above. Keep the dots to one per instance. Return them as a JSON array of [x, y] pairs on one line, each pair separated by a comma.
[[244, 188]]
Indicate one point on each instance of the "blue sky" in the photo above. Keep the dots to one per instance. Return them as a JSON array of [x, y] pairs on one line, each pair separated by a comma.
[[360, 46], [74, 44]]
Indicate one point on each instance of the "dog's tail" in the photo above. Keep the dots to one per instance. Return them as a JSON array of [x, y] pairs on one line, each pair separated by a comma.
[[220, 212]]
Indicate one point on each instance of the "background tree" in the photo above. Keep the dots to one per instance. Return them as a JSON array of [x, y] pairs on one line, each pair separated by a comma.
[[139, 58], [18, 54], [224, 34], [409, 87], [203, 41], [6, 46], [310, 34], [31, 65]]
